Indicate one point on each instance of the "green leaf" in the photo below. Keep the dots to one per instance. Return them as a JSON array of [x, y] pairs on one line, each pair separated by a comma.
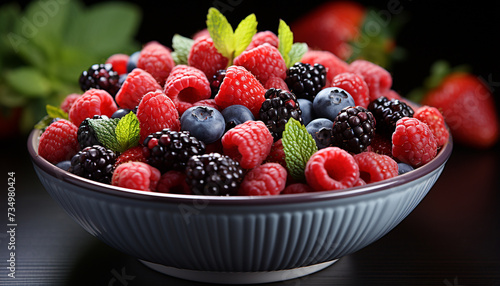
[[181, 46], [28, 81], [56, 112], [299, 146], [221, 33], [128, 132], [105, 132], [296, 53], [285, 38], [244, 33]]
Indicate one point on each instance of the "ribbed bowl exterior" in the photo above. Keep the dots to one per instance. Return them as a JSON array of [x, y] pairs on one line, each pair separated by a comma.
[[200, 235]]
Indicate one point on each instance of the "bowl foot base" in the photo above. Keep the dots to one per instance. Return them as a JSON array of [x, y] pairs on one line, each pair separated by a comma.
[[238, 277]]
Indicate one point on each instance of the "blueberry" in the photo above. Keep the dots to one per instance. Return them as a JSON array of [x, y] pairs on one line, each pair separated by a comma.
[[64, 165], [307, 110], [203, 122], [132, 61], [321, 131], [404, 168], [330, 101], [236, 114], [121, 112]]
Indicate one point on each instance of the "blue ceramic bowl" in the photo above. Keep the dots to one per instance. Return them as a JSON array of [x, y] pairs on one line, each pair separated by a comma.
[[240, 239]]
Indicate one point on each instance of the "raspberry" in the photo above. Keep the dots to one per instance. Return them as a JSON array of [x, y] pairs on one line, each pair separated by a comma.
[[376, 77], [248, 143], [173, 182], [333, 64], [374, 167], [207, 102], [68, 101], [59, 141], [413, 142], [156, 60], [263, 62], [263, 37], [265, 180], [137, 176], [135, 86], [156, 112], [205, 57], [133, 154], [297, 188], [240, 87], [276, 82], [187, 84], [92, 102], [119, 63], [100, 76], [381, 145], [94, 163], [355, 86], [435, 120], [331, 168], [277, 154], [306, 80]]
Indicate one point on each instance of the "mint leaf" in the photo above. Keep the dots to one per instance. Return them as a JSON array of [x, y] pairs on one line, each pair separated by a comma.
[[127, 132], [299, 146], [56, 112], [244, 33], [221, 33], [182, 46], [285, 38], [296, 53], [105, 132]]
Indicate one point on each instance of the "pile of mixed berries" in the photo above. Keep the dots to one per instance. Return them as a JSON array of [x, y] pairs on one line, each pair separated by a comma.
[[270, 117]]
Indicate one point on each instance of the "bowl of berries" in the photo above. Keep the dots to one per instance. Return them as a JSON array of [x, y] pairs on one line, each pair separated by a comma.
[[263, 165]]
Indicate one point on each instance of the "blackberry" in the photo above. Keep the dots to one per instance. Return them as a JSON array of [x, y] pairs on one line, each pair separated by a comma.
[[387, 113], [216, 81], [170, 150], [353, 129], [304, 80], [86, 134], [213, 175], [100, 76], [277, 109], [95, 163]]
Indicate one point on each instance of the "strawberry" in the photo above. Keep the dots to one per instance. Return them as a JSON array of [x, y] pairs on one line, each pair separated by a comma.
[[467, 105]]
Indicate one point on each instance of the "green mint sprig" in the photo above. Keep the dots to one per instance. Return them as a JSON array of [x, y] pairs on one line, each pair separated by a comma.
[[228, 42], [299, 146], [181, 46], [53, 112], [117, 134], [290, 51]]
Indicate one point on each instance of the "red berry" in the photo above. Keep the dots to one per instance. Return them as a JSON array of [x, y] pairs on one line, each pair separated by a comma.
[[156, 112], [240, 87], [277, 83], [413, 142], [59, 141], [263, 62], [68, 101], [205, 57], [277, 153], [374, 167], [263, 37], [156, 60], [133, 154], [435, 120], [92, 102], [381, 145], [297, 188], [355, 86], [137, 176], [135, 86], [378, 79], [119, 63], [331, 168], [173, 182], [187, 84], [248, 143], [333, 64], [265, 180]]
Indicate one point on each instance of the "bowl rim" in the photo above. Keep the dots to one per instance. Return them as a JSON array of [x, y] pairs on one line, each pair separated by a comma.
[[441, 158]]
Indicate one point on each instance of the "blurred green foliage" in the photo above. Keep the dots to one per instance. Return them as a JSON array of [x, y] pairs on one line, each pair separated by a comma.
[[45, 47]]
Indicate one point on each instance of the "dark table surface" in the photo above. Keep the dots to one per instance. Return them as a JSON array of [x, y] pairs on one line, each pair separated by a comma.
[[451, 238]]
